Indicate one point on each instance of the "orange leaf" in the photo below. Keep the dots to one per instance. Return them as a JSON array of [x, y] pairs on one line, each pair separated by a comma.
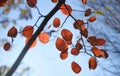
[[92, 63], [78, 23], [87, 12], [7, 46], [78, 46], [84, 33], [54, 1], [2, 2], [92, 19], [61, 45], [99, 42], [84, 1], [44, 37], [33, 44], [12, 32], [74, 51], [104, 54], [91, 39], [75, 67], [67, 35], [97, 52], [31, 3], [56, 22], [28, 31], [63, 55], [66, 9]]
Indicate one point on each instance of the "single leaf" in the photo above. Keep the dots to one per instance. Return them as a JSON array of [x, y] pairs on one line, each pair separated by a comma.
[[64, 55], [91, 39], [44, 37], [56, 22], [61, 45], [7, 46], [79, 46], [92, 63], [28, 31], [84, 33], [96, 51], [104, 54], [12, 32], [54, 1], [75, 67], [67, 35], [2, 2], [84, 1], [87, 12], [92, 19], [74, 51], [78, 23], [100, 41], [66, 9], [31, 3]]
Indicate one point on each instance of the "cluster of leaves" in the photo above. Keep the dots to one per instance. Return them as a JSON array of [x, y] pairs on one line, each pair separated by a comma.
[[67, 36]]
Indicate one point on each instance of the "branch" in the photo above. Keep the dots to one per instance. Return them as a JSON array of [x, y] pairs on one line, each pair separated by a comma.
[[40, 28]]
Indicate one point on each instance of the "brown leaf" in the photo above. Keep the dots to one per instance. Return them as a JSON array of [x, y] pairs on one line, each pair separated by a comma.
[[75, 67], [2, 2], [104, 54], [96, 51], [74, 51], [87, 12], [7, 46], [12, 32], [56, 22], [92, 19], [31, 3], [79, 46], [64, 55], [64, 10], [84, 33], [84, 1], [77, 24], [92, 63]]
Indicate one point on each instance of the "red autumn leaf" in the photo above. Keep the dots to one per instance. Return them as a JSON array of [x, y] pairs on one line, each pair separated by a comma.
[[12, 32], [100, 41], [28, 31], [91, 39], [104, 54], [92, 63], [63, 55], [67, 35], [66, 9], [77, 24], [33, 44], [75, 67], [74, 51], [54, 1], [96, 51], [92, 19], [31, 3], [84, 1], [2, 2], [84, 33], [61, 45], [56, 22], [7, 46], [44, 37], [87, 12], [79, 46]]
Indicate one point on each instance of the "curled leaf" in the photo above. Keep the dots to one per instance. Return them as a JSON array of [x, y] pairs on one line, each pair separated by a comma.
[[77, 24], [96, 51], [104, 54], [64, 55], [79, 46], [12, 32], [75, 67], [66, 9], [92, 63]]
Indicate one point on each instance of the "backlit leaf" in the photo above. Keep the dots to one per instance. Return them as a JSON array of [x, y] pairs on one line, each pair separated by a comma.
[[92, 63], [78, 23], [63, 55], [67, 35], [84, 1], [66, 9], [12, 32], [96, 51], [33, 44], [84, 33], [79, 46], [87, 12], [61, 45], [44, 37], [56, 22], [7, 46], [74, 51], [28, 31], [100, 41], [75, 67], [104, 54], [31, 3], [92, 19]]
